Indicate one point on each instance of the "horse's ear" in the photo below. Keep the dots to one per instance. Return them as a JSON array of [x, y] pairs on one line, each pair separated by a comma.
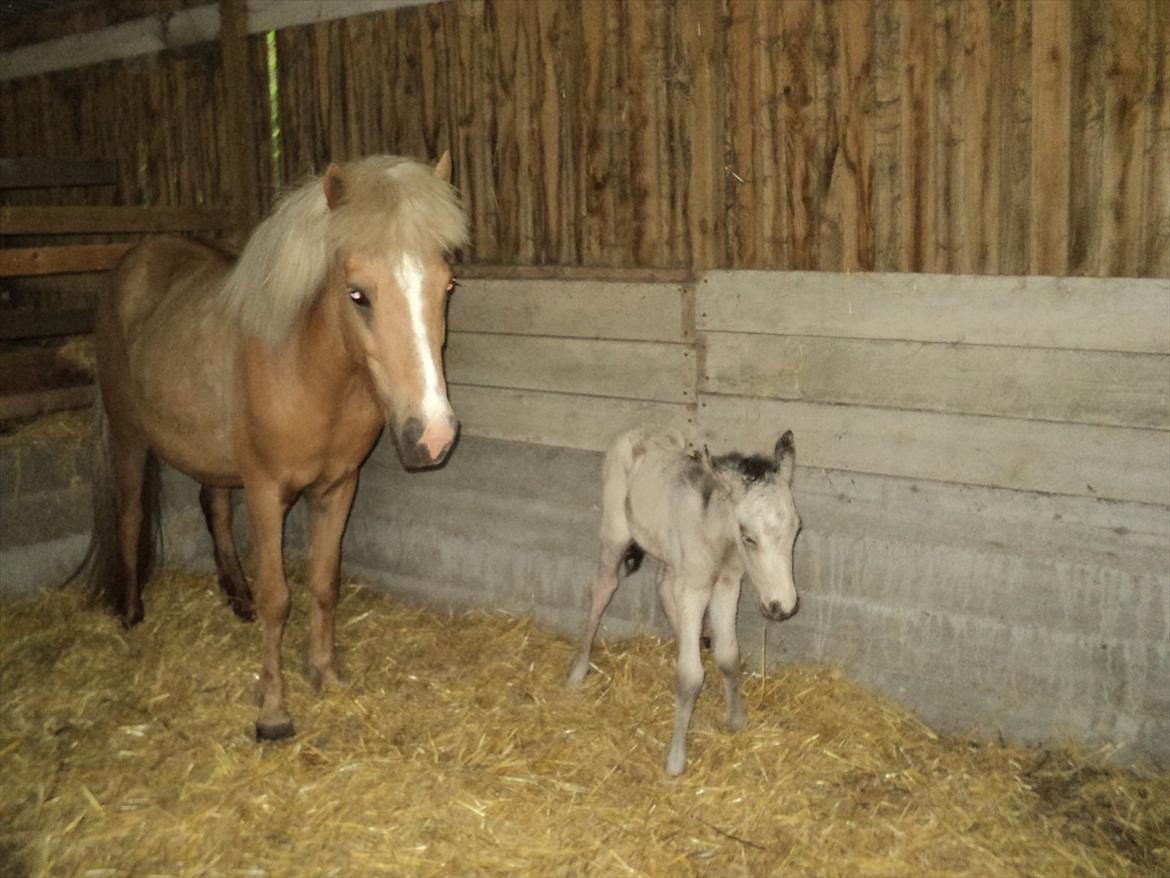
[[334, 187], [443, 166], [785, 455]]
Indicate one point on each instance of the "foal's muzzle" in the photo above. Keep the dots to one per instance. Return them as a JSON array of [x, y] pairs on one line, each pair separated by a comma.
[[775, 611], [426, 445]]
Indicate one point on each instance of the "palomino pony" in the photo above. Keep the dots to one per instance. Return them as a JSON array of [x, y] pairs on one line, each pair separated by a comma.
[[709, 521], [275, 372]]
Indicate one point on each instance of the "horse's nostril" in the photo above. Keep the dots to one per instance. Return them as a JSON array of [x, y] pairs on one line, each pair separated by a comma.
[[412, 431], [792, 612], [774, 609]]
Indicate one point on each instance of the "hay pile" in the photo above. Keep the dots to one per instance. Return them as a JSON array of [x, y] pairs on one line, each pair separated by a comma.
[[455, 750]]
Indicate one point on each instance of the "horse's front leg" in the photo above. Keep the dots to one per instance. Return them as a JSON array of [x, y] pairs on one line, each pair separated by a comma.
[[267, 505], [724, 603], [328, 510], [690, 602]]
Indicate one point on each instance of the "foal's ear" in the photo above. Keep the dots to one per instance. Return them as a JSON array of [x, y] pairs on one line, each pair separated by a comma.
[[785, 455], [334, 187], [443, 166]]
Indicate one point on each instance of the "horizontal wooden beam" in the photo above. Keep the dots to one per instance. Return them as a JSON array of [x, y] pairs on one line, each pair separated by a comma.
[[35, 173], [597, 273], [186, 27], [30, 323], [24, 220], [42, 402], [66, 259]]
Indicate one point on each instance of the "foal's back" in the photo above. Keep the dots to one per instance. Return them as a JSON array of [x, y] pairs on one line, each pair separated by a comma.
[[668, 499]]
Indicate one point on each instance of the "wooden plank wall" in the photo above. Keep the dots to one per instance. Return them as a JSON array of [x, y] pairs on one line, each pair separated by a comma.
[[161, 119], [955, 136]]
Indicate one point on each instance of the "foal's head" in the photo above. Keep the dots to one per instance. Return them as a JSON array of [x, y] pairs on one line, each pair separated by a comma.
[[766, 522], [393, 284]]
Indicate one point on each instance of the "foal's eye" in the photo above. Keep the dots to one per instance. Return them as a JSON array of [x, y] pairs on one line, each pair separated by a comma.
[[358, 297]]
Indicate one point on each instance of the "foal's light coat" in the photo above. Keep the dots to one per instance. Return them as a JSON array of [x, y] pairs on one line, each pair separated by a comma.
[[709, 521]]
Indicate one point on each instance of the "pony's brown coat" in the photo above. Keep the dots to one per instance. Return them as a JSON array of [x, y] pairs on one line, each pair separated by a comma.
[[272, 373]]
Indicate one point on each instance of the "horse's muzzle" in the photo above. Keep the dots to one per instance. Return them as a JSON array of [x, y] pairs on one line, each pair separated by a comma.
[[422, 446], [775, 611]]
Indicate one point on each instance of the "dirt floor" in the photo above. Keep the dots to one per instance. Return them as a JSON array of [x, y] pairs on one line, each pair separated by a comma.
[[455, 749]]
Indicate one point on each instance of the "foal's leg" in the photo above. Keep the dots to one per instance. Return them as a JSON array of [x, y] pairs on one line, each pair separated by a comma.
[[605, 583], [217, 512], [690, 601], [328, 510], [267, 505], [724, 602]]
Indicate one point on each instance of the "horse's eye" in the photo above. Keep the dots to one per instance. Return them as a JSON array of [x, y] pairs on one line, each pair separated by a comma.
[[747, 540], [358, 297]]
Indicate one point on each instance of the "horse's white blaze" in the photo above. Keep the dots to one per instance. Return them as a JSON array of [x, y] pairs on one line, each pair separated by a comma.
[[409, 275]]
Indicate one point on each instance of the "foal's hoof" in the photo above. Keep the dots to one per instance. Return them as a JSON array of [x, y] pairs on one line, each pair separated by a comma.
[[274, 731], [132, 618]]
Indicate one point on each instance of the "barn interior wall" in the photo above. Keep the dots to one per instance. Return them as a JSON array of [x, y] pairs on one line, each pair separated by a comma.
[[985, 495], [947, 137]]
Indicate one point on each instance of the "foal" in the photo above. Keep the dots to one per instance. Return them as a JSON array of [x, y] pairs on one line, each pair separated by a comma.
[[709, 521]]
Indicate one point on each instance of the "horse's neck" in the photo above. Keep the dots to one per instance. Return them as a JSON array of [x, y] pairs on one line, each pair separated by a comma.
[[325, 365]]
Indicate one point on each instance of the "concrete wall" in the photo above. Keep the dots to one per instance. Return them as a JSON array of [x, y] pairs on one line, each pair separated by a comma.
[[45, 512], [984, 477]]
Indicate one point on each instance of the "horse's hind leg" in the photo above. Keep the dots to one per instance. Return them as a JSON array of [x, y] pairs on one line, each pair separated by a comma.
[[129, 461], [601, 591], [721, 612], [217, 511]]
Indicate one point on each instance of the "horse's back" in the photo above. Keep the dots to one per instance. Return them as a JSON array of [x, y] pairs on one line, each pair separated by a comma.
[[166, 352], [160, 268]]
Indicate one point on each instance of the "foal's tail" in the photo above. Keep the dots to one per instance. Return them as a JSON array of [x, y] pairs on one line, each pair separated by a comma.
[[632, 559], [102, 568]]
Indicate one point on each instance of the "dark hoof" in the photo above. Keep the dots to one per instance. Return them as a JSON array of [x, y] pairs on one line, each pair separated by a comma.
[[244, 610], [129, 620], [274, 732]]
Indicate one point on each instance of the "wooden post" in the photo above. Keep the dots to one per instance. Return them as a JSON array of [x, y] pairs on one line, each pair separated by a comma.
[[233, 28]]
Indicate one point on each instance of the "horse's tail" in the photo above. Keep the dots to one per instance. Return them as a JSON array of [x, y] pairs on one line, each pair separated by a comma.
[[632, 559], [102, 569]]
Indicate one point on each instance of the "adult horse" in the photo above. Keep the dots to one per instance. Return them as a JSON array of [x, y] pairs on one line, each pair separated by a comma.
[[275, 373]]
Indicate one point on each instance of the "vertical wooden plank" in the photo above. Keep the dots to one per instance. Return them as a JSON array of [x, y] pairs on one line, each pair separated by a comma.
[[1155, 256], [1086, 136], [830, 146], [857, 89], [699, 209], [1125, 106], [593, 165], [889, 60], [799, 120], [743, 208], [916, 138], [1050, 137], [1012, 76], [646, 26], [979, 151], [950, 78]]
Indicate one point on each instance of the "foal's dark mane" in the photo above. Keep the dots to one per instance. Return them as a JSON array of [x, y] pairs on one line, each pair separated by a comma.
[[752, 468]]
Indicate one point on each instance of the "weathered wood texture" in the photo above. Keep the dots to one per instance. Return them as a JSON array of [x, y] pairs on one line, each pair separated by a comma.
[[1030, 384], [956, 136], [160, 119], [950, 136]]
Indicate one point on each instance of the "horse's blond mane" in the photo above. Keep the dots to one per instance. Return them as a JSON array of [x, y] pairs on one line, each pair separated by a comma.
[[390, 205]]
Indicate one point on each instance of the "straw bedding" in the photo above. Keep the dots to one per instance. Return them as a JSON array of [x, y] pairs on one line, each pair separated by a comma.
[[454, 749]]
